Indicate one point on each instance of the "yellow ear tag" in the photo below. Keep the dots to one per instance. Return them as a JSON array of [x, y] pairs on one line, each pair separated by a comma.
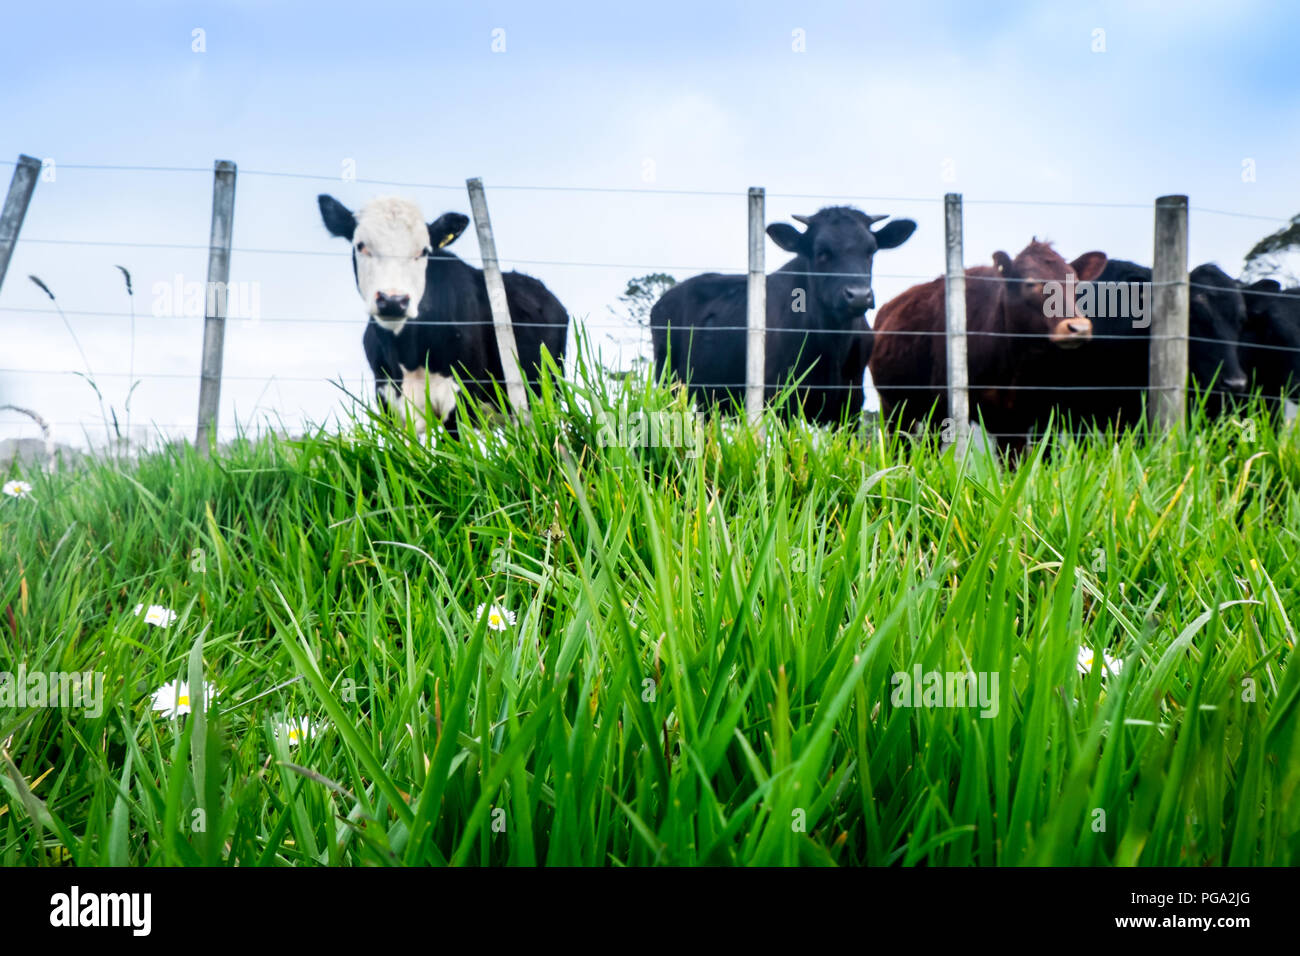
[[449, 237]]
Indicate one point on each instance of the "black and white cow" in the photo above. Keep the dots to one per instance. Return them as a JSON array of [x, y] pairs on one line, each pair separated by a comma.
[[816, 317], [429, 313]]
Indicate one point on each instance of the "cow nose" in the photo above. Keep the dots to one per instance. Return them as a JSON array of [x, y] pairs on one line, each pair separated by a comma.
[[859, 298], [391, 305], [1078, 328]]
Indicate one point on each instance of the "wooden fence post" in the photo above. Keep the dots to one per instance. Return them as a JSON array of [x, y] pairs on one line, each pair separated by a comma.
[[15, 208], [756, 310], [1167, 394], [496, 290], [954, 302], [215, 301]]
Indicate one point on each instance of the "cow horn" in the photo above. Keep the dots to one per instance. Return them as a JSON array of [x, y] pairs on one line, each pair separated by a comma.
[[872, 220], [806, 220]]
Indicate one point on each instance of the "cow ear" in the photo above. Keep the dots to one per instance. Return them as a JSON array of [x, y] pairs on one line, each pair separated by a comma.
[[894, 234], [1089, 265], [447, 228], [338, 218], [786, 236], [1003, 263], [1265, 285]]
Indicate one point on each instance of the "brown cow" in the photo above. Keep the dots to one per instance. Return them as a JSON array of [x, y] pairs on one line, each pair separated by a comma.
[[910, 371]]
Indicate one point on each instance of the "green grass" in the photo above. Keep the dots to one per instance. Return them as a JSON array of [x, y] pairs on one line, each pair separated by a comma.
[[700, 668]]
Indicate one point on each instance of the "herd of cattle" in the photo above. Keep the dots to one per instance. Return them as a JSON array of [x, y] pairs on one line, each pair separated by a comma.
[[430, 325]]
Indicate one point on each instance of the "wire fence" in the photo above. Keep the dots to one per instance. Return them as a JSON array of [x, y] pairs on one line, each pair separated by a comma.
[[652, 190], [588, 325]]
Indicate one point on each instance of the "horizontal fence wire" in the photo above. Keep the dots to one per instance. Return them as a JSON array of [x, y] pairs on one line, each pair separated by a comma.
[[587, 325], [734, 271], [190, 376], [645, 190], [94, 424], [289, 379], [1059, 433]]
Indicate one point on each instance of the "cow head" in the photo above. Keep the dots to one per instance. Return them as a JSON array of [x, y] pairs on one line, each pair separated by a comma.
[[1270, 349], [837, 246], [1217, 315], [1039, 274], [390, 247]]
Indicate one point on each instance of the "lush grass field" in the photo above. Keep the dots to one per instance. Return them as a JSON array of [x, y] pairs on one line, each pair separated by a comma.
[[700, 666]]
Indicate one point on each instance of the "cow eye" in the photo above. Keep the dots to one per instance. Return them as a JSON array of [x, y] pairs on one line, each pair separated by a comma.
[[361, 247]]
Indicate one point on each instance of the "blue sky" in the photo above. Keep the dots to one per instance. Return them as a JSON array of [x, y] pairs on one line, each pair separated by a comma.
[[908, 100]]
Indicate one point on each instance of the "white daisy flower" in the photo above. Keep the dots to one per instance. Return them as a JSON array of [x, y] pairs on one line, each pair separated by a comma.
[[173, 698], [498, 617], [296, 731], [18, 489], [1111, 666], [157, 615]]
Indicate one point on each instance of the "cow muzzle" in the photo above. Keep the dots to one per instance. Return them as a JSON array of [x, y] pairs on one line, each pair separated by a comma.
[[392, 306], [859, 299], [1071, 332]]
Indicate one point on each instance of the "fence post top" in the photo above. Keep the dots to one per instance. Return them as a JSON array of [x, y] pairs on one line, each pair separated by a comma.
[[952, 197], [25, 160], [1174, 200], [474, 182], [223, 166], [756, 190]]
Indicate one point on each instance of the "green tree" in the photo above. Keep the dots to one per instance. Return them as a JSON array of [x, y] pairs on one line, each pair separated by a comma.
[[636, 302], [1268, 258], [642, 293]]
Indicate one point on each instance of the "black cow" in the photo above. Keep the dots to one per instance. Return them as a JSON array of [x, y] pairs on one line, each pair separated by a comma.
[[1217, 315], [1270, 342], [429, 313], [1105, 380], [816, 317]]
